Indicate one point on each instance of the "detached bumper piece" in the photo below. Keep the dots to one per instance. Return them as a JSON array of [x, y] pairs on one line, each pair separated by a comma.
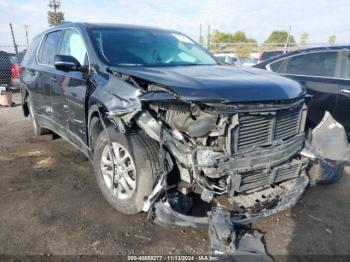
[[228, 240]]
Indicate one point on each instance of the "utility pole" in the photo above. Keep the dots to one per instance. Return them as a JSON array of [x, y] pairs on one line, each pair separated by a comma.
[[14, 42], [54, 5], [200, 35], [54, 16], [27, 37], [287, 41], [208, 37]]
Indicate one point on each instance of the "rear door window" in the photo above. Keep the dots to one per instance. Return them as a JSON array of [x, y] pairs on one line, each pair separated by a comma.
[[49, 48], [314, 64]]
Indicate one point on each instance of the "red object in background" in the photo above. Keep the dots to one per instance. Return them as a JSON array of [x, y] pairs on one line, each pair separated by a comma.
[[15, 71]]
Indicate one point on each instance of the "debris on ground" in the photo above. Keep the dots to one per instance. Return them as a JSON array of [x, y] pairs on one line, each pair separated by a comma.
[[233, 242]]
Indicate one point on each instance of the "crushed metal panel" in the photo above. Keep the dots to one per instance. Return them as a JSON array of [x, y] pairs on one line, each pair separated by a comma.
[[119, 97], [329, 149], [329, 141]]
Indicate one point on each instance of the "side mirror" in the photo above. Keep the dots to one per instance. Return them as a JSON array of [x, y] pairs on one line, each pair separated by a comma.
[[66, 63]]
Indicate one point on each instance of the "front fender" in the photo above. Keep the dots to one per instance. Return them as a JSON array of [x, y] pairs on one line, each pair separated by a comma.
[[117, 96]]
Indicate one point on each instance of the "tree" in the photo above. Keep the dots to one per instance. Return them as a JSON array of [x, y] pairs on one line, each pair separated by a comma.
[[222, 37], [277, 37], [239, 37], [243, 50], [332, 39], [215, 36], [304, 38], [251, 40], [243, 44]]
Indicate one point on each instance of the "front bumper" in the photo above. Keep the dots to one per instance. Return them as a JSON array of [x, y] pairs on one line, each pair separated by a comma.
[[292, 191]]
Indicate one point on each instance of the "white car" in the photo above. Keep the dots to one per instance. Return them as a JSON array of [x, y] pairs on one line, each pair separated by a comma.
[[235, 60]]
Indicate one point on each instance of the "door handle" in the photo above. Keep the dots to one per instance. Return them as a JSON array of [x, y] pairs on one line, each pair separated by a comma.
[[345, 91]]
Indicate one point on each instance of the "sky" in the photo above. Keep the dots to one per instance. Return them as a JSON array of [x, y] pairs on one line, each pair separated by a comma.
[[257, 18]]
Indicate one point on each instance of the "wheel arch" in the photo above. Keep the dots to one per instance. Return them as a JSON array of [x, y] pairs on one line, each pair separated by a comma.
[[94, 125], [25, 95]]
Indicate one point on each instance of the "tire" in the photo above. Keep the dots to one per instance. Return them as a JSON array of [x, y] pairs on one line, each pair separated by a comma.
[[143, 151], [325, 172], [38, 130]]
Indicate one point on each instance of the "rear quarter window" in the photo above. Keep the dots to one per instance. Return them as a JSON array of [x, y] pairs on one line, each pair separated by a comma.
[[277, 66], [30, 53], [49, 48]]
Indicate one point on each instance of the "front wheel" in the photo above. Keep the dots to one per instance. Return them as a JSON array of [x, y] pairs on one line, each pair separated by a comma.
[[135, 165]]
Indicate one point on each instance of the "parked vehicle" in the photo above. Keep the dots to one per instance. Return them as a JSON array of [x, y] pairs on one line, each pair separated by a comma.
[[15, 72], [325, 72], [167, 128], [268, 55], [235, 60], [247, 61], [16, 68], [5, 69], [227, 58]]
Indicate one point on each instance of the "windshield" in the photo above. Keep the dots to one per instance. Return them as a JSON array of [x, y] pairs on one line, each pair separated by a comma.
[[146, 47]]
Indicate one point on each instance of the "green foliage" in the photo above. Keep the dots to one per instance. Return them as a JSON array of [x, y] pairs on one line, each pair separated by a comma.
[[279, 37], [332, 39], [251, 40], [217, 36], [243, 50], [243, 43], [304, 38]]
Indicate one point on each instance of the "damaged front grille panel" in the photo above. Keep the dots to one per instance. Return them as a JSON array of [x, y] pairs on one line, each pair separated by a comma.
[[264, 177], [258, 129]]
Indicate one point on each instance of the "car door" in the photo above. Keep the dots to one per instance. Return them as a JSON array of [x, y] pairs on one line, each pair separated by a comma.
[[318, 72], [73, 85], [342, 110], [44, 100]]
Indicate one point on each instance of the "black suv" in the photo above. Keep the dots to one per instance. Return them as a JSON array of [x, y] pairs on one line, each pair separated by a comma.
[[165, 125]]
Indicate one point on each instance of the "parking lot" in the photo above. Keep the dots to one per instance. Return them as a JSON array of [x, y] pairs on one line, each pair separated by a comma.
[[50, 204]]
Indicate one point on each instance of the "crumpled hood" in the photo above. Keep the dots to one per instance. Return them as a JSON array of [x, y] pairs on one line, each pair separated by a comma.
[[218, 83]]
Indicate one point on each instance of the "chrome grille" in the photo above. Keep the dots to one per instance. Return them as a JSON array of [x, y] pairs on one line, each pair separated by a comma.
[[265, 177], [259, 129]]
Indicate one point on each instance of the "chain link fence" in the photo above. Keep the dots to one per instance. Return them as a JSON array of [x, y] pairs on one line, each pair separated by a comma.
[[10, 62], [254, 49]]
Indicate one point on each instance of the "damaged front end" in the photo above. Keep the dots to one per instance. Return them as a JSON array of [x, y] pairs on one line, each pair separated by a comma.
[[238, 161], [242, 157]]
